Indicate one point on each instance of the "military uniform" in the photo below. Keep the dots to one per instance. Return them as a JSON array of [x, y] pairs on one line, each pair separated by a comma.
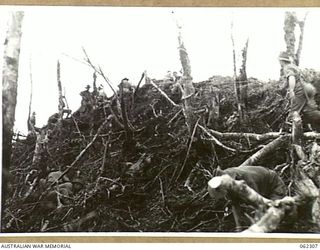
[[263, 180], [303, 101]]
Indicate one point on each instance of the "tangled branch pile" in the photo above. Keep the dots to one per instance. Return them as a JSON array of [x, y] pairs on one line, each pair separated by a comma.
[[145, 174]]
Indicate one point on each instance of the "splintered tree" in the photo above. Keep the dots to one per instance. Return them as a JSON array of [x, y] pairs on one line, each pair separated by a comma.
[[9, 89], [241, 80], [61, 104], [290, 22], [289, 34], [301, 26], [186, 84], [31, 122]]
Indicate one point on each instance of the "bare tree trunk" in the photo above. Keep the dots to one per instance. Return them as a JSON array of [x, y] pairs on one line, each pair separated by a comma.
[[236, 83], [126, 122], [301, 25], [186, 85], [243, 79], [290, 22], [61, 104], [31, 117], [214, 107], [9, 91], [94, 84]]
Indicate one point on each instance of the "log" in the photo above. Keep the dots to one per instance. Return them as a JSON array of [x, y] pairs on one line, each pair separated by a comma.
[[307, 196], [297, 129], [248, 136], [269, 148], [259, 137], [272, 218], [297, 137], [226, 184]]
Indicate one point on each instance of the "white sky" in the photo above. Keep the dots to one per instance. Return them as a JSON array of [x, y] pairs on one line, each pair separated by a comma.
[[127, 41]]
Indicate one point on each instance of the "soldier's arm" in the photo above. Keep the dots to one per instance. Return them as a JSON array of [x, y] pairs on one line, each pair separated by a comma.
[[292, 84]]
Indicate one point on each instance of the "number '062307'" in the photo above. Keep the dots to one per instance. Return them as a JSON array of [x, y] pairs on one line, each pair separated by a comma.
[[309, 246]]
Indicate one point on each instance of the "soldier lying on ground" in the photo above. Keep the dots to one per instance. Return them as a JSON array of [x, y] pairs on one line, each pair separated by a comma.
[[264, 181], [62, 192]]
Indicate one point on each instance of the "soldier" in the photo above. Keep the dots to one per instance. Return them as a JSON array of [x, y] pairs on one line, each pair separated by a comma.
[[62, 191], [264, 181], [87, 101], [126, 86], [301, 94]]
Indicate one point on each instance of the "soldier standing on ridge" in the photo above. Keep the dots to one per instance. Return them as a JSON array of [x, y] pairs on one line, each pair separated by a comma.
[[301, 94]]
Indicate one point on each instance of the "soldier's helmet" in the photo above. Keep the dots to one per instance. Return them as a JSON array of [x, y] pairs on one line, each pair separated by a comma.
[[77, 180], [77, 184]]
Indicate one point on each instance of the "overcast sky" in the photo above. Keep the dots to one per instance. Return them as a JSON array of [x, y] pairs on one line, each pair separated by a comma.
[[127, 41]]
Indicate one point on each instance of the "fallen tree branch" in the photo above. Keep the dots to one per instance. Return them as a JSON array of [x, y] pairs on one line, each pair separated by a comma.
[[272, 218], [215, 140], [307, 196], [270, 147], [188, 151], [258, 137], [227, 184], [161, 92], [311, 135], [80, 155], [250, 136], [75, 224]]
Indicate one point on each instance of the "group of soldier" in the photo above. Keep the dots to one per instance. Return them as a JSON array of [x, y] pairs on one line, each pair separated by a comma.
[[301, 96]]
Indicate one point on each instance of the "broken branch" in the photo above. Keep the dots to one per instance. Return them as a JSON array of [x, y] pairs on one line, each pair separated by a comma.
[[227, 184], [80, 155], [161, 92], [215, 140], [270, 147]]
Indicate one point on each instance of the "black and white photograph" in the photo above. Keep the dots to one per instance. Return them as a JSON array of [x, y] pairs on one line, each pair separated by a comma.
[[160, 120]]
